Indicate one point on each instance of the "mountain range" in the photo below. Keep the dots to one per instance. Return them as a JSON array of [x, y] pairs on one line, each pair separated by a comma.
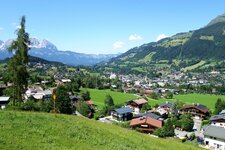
[[202, 45], [46, 50]]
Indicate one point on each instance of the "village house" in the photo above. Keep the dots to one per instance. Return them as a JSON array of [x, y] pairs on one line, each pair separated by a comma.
[[146, 122], [122, 114], [197, 110], [3, 101], [218, 120], [136, 104], [38, 93], [214, 137], [214, 134]]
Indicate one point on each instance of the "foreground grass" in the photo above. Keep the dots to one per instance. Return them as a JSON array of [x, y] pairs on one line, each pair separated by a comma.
[[27, 130], [205, 99], [98, 96]]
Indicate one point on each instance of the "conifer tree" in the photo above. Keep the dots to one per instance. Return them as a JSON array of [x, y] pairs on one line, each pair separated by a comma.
[[17, 65]]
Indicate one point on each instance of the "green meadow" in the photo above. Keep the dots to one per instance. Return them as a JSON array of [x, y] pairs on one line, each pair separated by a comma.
[[205, 99], [29, 130], [98, 96]]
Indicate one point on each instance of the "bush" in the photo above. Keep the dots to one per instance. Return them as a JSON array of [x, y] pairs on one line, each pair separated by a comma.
[[31, 105], [167, 130], [145, 107], [84, 109]]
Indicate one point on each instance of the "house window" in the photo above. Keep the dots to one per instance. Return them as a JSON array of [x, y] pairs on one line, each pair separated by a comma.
[[218, 146]]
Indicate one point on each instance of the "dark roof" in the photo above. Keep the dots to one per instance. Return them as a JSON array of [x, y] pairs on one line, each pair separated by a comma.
[[215, 131], [200, 107], [217, 117], [169, 105], [148, 114], [124, 110]]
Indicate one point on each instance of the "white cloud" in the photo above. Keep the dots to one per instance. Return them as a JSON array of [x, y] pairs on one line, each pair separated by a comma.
[[1, 28], [118, 45], [135, 37], [161, 36]]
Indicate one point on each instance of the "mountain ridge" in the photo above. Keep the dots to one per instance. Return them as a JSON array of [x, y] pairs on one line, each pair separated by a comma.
[[179, 50], [47, 50]]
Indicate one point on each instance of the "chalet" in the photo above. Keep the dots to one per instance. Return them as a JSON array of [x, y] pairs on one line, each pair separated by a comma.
[[3, 101], [195, 110], [136, 104], [218, 120], [122, 114], [147, 123], [214, 137]]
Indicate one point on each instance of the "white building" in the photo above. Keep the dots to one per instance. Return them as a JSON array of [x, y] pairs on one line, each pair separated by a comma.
[[3, 101], [214, 134], [214, 137], [218, 120], [38, 93]]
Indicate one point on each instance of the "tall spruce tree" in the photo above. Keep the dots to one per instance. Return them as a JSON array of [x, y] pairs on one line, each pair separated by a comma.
[[17, 65]]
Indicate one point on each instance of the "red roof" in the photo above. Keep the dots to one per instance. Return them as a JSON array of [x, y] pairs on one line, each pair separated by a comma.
[[89, 102], [146, 120]]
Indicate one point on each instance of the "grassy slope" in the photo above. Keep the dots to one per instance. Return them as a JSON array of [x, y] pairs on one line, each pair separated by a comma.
[[206, 99], [26, 130], [202, 62], [98, 96]]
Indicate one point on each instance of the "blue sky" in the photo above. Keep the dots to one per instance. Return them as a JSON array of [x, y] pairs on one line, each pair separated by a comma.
[[105, 26]]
